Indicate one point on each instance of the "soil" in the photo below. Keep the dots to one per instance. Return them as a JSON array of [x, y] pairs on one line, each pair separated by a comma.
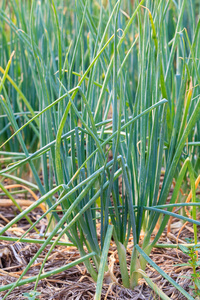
[[76, 283]]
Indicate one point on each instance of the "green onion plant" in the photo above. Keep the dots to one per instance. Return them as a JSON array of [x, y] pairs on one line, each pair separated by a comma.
[[103, 96]]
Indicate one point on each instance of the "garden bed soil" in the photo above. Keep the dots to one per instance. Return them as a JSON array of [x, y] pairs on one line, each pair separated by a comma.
[[76, 283]]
